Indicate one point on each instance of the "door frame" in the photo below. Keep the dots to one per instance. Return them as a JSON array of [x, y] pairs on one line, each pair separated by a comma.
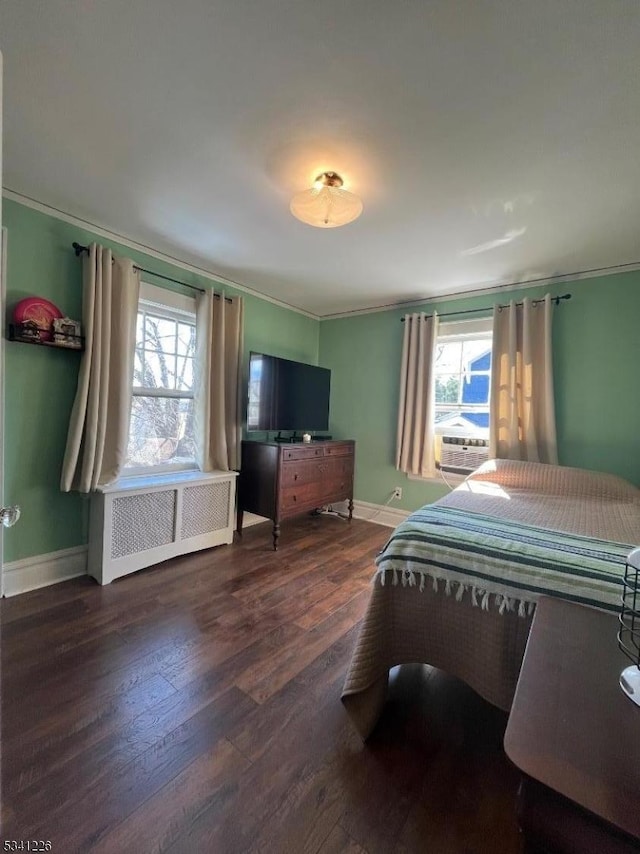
[[3, 303]]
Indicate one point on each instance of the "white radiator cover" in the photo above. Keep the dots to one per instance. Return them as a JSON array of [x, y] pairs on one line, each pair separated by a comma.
[[141, 521]]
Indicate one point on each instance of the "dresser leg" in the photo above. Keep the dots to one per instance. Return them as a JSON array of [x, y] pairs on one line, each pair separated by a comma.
[[350, 509], [276, 536], [239, 525]]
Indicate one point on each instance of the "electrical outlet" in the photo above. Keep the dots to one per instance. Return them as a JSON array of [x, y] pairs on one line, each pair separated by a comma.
[[397, 492]]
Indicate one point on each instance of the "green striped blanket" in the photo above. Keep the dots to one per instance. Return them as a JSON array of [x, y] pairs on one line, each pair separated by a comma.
[[456, 551]]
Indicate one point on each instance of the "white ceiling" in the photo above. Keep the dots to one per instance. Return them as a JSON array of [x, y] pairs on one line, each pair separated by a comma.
[[490, 140]]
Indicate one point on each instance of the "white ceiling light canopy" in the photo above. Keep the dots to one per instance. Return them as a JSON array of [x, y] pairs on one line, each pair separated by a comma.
[[326, 204]]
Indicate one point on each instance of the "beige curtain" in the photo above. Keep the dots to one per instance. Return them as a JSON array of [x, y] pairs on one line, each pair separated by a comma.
[[415, 439], [219, 340], [99, 426], [522, 413]]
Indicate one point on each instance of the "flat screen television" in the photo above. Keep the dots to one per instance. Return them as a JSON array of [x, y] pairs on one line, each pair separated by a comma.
[[287, 395]]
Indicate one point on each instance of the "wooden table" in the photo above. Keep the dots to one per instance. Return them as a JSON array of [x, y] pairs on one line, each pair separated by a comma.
[[574, 731]]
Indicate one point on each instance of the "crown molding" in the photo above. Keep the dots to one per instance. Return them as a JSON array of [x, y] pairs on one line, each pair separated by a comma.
[[210, 275], [490, 290], [99, 230]]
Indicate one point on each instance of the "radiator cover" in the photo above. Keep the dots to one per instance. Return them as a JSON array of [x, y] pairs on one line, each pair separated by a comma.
[[142, 521]]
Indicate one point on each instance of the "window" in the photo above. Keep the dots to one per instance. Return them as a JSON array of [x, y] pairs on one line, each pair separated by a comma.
[[161, 432], [255, 378], [462, 378]]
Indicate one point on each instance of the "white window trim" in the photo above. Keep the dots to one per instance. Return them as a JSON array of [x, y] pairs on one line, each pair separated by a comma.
[[179, 307], [165, 299], [475, 328]]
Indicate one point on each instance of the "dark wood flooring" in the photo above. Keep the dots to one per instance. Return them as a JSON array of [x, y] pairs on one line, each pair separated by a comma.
[[194, 707]]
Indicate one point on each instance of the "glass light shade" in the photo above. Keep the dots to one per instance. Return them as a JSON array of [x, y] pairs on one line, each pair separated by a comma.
[[326, 206]]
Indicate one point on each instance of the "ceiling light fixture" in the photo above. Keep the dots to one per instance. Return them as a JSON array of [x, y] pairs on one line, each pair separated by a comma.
[[326, 204]]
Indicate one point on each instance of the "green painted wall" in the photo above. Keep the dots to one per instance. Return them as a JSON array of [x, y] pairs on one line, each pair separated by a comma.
[[597, 355], [40, 383], [596, 363]]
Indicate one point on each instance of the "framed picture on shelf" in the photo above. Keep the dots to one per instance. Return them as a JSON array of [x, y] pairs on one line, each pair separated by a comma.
[[67, 332], [29, 330]]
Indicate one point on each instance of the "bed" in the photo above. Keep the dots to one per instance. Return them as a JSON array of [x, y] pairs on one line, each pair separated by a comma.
[[456, 585]]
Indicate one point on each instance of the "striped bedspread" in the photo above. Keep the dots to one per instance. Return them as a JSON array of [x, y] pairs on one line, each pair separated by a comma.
[[504, 560]]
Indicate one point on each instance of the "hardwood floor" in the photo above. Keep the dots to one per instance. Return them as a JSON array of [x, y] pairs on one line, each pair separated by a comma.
[[194, 707]]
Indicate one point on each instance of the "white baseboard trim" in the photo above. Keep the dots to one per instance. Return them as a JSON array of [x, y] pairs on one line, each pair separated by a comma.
[[381, 514], [31, 573]]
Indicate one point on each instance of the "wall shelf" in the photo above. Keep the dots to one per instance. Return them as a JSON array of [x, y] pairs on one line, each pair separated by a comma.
[[17, 333]]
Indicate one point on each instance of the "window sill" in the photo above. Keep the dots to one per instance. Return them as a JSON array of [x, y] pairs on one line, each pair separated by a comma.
[[166, 468], [150, 481], [452, 480]]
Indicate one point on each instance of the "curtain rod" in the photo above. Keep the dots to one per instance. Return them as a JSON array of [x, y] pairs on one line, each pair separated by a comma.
[[78, 248], [556, 300]]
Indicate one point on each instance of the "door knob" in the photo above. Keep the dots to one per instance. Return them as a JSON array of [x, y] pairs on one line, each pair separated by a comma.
[[9, 515]]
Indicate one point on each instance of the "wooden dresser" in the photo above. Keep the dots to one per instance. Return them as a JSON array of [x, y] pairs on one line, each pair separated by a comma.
[[279, 481]]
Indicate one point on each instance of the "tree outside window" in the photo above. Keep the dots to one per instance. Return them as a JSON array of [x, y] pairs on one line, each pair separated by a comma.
[[162, 430]]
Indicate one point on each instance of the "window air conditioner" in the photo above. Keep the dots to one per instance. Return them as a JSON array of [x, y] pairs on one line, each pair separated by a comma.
[[463, 455]]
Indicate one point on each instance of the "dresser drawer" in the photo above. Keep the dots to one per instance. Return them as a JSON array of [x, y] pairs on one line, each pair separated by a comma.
[[299, 472], [305, 453], [339, 449], [336, 488], [337, 467], [293, 498]]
